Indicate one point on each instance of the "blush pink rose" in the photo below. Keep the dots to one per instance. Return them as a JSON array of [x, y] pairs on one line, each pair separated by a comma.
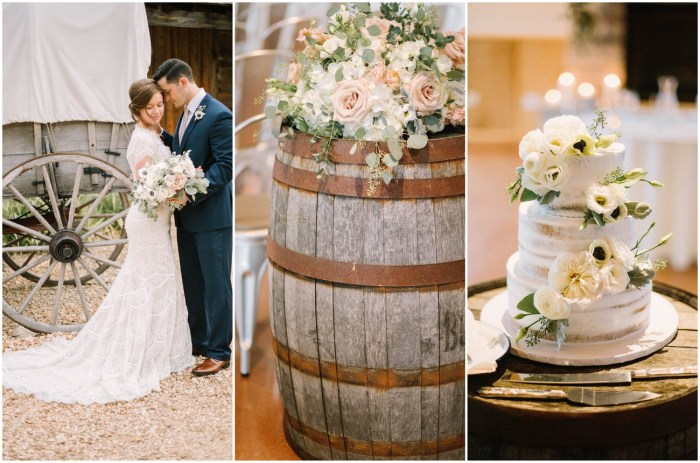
[[455, 49], [426, 93], [178, 181], [350, 103]]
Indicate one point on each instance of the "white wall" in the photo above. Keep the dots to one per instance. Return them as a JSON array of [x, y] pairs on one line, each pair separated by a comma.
[[514, 20]]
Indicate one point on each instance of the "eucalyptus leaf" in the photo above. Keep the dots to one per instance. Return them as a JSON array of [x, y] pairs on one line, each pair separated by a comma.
[[270, 111], [598, 218], [360, 133], [374, 30], [455, 75], [390, 161], [332, 10], [417, 142], [395, 148], [339, 74], [276, 132], [372, 160], [527, 304], [282, 105], [426, 52], [386, 177], [431, 120], [368, 55], [363, 7]]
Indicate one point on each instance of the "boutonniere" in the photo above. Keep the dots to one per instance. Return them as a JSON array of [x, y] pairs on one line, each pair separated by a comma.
[[199, 113]]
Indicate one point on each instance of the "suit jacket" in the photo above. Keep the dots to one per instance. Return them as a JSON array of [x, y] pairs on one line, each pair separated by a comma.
[[210, 140], [167, 139]]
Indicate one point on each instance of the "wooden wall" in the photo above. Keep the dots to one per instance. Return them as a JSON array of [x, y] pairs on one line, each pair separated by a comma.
[[208, 51], [501, 71]]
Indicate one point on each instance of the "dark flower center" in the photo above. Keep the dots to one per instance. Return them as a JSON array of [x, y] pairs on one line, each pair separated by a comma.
[[599, 253], [616, 213], [580, 145]]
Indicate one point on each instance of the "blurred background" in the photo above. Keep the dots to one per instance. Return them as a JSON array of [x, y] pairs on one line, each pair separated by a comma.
[[265, 41], [530, 62]]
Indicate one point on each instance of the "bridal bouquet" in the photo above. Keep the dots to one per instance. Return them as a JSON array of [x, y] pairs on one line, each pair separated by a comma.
[[388, 76], [173, 178]]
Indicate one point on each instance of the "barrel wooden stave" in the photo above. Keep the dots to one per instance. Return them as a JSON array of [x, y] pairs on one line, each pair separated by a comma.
[[367, 329]]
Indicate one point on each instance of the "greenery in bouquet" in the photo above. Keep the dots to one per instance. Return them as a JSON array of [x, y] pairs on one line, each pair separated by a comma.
[[384, 76]]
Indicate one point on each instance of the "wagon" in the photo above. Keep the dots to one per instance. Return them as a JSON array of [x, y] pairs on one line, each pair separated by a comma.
[[66, 181]]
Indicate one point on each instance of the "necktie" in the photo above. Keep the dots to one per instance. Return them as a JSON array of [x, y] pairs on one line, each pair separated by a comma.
[[183, 124]]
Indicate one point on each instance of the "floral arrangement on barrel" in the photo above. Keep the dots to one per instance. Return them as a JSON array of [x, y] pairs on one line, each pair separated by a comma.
[[608, 266], [388, 76]]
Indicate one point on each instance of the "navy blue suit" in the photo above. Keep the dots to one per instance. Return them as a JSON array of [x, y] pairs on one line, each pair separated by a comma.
[[205, 231]]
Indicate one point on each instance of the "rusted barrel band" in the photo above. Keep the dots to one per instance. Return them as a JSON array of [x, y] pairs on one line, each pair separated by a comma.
[[376, 449], [446, 148], [369, 377], [358, 187], [365, 274]]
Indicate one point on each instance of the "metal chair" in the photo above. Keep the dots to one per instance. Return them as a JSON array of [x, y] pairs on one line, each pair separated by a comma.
[[252, 197]]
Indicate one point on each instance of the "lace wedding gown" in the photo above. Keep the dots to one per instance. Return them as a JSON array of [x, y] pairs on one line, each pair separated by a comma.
[[139, 334]]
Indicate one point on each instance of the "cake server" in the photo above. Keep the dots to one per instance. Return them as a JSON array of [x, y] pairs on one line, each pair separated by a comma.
[[579, 395], [611, 377]]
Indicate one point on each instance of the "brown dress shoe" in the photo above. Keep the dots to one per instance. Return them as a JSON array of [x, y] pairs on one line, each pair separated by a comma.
[[210, 367]]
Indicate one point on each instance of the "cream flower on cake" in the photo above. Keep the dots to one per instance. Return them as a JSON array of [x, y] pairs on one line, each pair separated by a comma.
[[575, 276], [621, 253], [534, 186], [531, 142], [614, 277], [554, 177], [601, 251], [604, 199], [567, 135], [551, 304]]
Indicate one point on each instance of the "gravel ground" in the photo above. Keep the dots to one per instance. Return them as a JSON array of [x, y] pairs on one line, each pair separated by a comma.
[[190, 418]]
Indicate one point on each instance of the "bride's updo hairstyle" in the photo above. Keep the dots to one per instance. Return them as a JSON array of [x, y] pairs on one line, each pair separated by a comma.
[[140, 93]]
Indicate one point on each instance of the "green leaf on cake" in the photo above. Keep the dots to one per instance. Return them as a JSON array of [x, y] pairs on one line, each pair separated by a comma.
[[527, 304], [549, 197], [639, 277], [528, 195], [598, 218]]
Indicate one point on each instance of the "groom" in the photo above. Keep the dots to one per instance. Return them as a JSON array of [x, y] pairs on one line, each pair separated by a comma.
[[204, 225]]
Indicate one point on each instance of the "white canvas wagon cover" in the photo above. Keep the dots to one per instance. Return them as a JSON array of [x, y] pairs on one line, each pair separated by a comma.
[[72, 61]]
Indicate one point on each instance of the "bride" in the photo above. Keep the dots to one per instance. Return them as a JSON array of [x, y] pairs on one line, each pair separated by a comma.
[[139, 335]]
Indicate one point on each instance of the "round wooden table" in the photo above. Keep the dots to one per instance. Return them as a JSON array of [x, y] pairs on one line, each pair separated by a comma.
[[663, 428]]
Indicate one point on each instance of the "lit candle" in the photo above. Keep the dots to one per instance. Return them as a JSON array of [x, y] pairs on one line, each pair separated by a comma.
[[565, 85]]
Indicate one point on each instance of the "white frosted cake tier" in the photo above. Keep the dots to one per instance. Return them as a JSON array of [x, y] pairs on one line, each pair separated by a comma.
[[610, 317], [545, 233], [585, 171]]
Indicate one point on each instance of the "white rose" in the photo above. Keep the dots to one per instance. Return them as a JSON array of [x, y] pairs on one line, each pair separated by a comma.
[[554, 177], [575, 276], [331, 45], [614, 277], [533, 185], [564, 127], [551, 304], [602, 199], [534, 164], [532, 141]]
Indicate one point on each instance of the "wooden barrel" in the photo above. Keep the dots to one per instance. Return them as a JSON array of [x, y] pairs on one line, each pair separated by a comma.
[[665, 428], [367, 302]]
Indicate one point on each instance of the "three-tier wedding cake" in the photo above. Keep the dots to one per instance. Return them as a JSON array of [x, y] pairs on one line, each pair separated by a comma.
[[581, 275]]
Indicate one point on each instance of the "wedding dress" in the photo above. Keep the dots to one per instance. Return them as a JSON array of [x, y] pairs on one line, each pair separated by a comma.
[[138, 336]]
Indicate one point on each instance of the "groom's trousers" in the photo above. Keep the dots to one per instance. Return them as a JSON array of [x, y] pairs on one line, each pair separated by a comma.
[[205, 264]]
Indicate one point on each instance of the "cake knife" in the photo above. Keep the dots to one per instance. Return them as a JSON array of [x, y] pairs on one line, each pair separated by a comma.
[[579, 395], [610, 377]]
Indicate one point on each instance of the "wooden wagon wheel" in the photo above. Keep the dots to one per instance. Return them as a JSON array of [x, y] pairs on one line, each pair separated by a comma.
[[64, 206], [66, 241]]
